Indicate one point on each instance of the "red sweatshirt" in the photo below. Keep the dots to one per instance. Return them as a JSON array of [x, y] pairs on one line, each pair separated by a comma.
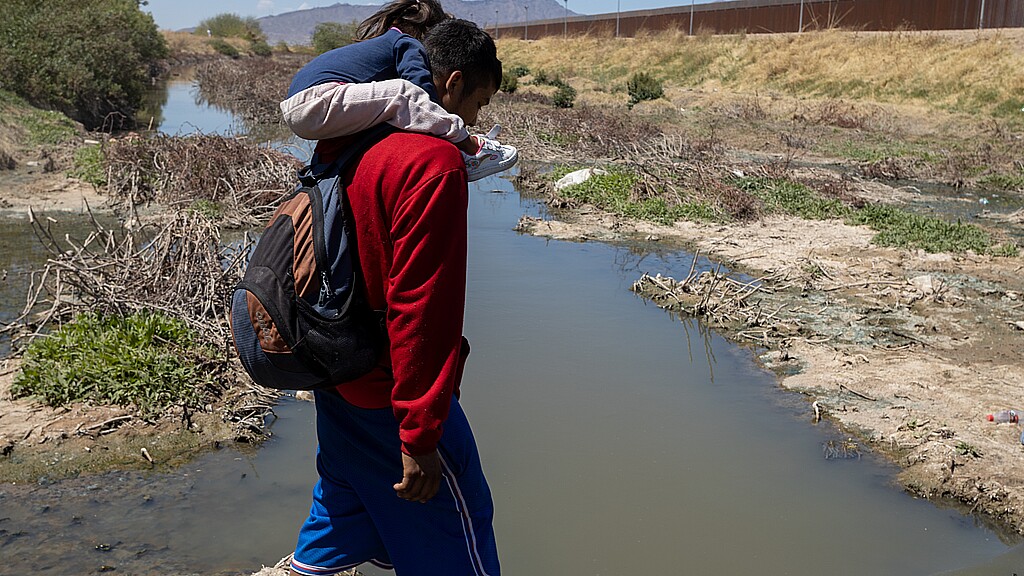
[[409, 200]]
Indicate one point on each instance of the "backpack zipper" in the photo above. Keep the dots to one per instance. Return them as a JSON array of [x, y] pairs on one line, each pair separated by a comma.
[[325, 290]]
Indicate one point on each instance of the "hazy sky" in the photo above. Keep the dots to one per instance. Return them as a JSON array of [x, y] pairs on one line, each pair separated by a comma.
[[175, 14]]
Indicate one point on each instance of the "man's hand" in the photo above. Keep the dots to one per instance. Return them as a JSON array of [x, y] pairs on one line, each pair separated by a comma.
[[421, 477]]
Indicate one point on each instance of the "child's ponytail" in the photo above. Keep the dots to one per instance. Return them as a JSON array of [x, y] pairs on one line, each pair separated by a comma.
[[414, 17]]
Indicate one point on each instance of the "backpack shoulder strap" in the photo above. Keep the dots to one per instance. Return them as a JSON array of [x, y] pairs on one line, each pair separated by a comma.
[[318, 171]]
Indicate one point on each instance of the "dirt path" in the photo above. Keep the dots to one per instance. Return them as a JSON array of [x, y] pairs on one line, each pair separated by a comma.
[[906, 351]]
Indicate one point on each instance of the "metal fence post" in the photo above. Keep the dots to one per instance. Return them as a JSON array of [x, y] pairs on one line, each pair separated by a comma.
[[801, 29], [981, 16], [691, 17]]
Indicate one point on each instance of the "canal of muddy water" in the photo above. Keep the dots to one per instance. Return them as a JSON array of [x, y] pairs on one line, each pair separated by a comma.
[[617, 440]]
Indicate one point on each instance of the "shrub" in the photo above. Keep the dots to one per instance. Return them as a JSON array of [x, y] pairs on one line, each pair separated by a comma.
[[509, 83], [565, 96], [519, 71], [282, 47], [231, 26], [642, 86], [85, 58], [223, 47], [261, 48], [331, 35], [146, 360]]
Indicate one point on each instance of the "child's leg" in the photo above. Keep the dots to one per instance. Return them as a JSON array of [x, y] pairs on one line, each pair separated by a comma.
[[333, 110]]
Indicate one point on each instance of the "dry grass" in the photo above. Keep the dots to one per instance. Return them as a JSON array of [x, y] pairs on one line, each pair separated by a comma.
[[932, 68], [185, 44], [234, 181]]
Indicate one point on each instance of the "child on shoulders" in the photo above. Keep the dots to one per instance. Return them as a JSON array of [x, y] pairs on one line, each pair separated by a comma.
[[385, 77]]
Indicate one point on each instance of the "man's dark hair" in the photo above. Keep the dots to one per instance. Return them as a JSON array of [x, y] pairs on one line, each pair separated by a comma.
[[461, 45]]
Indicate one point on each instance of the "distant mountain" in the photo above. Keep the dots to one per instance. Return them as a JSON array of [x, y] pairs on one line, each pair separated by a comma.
[[297, 27]]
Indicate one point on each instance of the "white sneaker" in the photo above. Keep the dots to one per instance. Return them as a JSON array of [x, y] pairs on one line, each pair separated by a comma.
[[492, 158]]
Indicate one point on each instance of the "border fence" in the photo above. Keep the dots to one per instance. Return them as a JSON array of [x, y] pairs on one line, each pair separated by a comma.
[[775, 16]]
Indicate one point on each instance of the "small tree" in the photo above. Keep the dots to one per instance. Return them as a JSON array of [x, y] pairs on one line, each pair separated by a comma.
[[231, 26], [642, 86], [331, 35], [565, 95]]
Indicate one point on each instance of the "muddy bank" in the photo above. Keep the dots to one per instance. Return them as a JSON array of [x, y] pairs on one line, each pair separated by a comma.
[[907, 351], [89, 271]]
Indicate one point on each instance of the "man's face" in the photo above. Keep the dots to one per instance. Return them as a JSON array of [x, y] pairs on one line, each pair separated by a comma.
[[465, 104]]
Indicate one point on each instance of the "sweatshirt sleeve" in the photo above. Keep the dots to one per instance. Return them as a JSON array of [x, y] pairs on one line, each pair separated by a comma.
[[412, 65], [426, 295]]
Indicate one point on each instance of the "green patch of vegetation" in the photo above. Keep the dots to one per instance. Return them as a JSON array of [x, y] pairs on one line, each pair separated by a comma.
[[902, 229], [509, 83], [46, 127], [558, 138], [1013, 181], [565, 96], [221, 46], [786, 197], [642, 86], [1011, 108], [230, 26], [697, 212], [875, 151], [616, 192], [330, 35], [208, 208], [147, 360], [88, 72], [519, 71], [89, 165], [261, 48], [965, 449], [1007, 250]]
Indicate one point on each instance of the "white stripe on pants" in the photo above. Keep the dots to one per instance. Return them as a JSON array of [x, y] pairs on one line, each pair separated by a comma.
[[335, 109]]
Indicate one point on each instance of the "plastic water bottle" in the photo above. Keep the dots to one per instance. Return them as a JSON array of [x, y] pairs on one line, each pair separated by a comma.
[[1005, 416]]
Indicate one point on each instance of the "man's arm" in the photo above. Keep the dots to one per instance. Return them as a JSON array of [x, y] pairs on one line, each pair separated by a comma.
[[426, 300]]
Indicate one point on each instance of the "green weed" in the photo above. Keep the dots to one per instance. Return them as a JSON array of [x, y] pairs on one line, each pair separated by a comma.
[[221, 46], [1010, 182], [509, 83], [146, 360], [965, 449], [208, 208], [519, 71], [616, 192], [786, 197], [1007, 250], [89, 166], [46, 127], [898, 228]]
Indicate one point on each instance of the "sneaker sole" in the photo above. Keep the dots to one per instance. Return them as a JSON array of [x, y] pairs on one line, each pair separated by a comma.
[[494, 169]]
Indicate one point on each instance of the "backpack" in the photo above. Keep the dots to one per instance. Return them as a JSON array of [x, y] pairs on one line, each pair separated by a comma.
[[301, 294]]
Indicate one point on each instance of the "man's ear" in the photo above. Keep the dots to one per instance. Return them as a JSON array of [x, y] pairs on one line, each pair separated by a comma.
[[455, 83]]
